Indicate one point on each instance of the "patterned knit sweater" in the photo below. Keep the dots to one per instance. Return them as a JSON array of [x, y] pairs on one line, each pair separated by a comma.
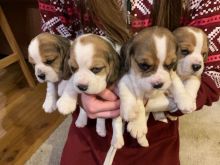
[[65, 18]]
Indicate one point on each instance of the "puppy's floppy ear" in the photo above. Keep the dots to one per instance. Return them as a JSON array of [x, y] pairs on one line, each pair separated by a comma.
[[126, 54], [176, 52], [115, 66], [64, 47], [66, 73]]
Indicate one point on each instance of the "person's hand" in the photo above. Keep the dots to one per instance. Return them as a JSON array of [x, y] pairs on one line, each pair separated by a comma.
[[103, 105]]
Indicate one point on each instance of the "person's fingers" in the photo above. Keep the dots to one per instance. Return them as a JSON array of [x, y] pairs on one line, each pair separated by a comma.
[[102, 106], [106, 115], [93, 105], [108, 95]]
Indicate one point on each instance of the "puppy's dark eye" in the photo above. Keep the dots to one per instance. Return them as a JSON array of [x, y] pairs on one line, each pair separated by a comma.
[[144, 66], [170, 66], [185, 52], [48, 62], [73, 69], [96, 70]]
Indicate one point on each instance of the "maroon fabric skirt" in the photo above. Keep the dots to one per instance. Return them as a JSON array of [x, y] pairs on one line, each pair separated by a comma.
[[85, 147]]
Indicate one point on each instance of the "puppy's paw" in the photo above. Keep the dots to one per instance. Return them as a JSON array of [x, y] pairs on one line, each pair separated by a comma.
[[101, 130], [172, 105], [160, 116], [49, 105], [186, 104], [66, 105], [172, 118], [164, 120], [117, 141], [80, 123], [143, 141], [137, 129]]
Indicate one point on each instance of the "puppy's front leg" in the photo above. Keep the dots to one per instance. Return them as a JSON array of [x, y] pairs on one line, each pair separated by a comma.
[[183, 99], [100, 127], [160, 116], [67, 102], [143, 140], [192, 89], [158, 103], [172, 107], [128, 103], [138, 126], [82, 119], [51, 98], [117, 136], [61, 87]]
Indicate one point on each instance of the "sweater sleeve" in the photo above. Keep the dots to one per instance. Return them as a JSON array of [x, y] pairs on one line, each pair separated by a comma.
[[205, 15]]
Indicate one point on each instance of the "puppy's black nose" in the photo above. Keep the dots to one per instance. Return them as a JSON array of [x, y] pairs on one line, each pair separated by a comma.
[[41, 76], [157, 85], [82, 87], [196, 67]]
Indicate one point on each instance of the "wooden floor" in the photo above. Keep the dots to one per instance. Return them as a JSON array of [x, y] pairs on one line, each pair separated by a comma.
[[23, 124]]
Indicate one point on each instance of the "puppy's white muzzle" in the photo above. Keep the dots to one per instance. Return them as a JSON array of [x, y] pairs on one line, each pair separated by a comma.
[[45, 73], [85, 81], [190, 65]]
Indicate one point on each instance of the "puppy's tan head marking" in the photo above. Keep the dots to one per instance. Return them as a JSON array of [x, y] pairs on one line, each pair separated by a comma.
[[105, 59], [95, 58], [142, 53], [149, 57], [186, 41], [49, 53], [54, 51]]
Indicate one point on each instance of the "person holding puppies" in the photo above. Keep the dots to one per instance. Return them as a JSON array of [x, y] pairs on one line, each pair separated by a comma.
[[119, 20]]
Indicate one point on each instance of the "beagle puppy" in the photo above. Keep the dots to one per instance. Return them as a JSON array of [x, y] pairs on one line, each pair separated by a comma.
[[95, 65], [192, 52], [149, 58], [48, 53]]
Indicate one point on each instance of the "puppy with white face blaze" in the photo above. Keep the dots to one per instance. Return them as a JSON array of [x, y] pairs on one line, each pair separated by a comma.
[[192, 52], [149, 57], [95, 65], [48, 53]]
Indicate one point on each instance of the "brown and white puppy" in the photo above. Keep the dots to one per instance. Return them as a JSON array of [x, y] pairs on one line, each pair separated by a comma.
[[192, 52], [49, 53], [149, 57], [95, 66]]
